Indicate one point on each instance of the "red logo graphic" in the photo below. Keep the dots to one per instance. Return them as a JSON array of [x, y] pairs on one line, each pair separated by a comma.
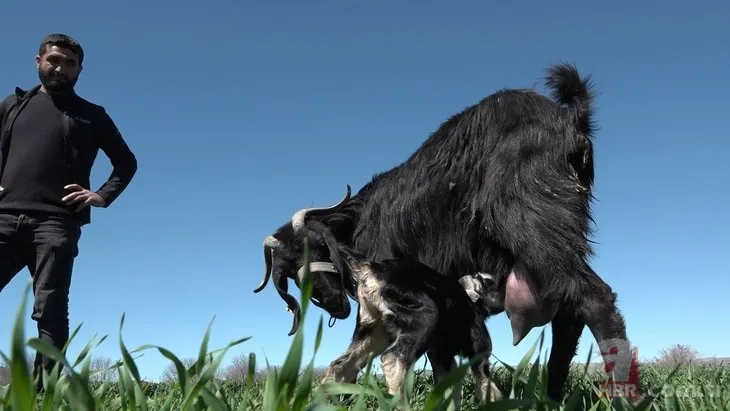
[[621, 364]]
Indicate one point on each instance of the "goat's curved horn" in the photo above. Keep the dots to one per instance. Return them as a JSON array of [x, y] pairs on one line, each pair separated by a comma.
[[292, 305], [270, 243], [298, 219]]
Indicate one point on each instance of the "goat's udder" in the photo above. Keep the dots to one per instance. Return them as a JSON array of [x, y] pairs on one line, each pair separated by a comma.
[[522, 307]]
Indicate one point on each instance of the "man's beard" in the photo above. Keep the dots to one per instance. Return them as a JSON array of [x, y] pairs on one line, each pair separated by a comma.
[[56, 83]]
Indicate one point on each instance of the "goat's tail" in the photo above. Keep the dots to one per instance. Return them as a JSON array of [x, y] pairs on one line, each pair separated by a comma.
[[568, 88]]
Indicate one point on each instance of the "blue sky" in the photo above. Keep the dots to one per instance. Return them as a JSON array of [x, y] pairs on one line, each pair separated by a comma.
[[220, 99]]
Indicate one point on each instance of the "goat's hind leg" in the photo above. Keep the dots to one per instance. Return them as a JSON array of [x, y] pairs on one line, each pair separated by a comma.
[[567, 329]]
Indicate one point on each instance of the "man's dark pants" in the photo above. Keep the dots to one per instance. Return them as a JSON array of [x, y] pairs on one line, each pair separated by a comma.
[[47, 245]]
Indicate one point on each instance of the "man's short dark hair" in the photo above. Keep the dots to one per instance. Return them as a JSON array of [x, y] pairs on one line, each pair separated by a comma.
[[62, 40]]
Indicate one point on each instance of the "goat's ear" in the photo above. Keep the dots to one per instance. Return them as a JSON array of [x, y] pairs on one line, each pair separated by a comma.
[[329, 240], [334, 250]]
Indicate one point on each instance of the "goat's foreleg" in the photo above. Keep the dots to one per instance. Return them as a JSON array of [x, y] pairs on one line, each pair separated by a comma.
[[604, 319]]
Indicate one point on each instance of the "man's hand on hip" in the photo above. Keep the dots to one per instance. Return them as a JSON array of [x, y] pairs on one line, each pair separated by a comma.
[[82, 197]]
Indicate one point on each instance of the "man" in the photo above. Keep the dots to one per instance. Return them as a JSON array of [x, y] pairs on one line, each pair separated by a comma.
[[49, 139]]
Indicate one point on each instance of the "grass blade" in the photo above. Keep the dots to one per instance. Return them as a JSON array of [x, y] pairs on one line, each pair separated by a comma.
[[23, 392]]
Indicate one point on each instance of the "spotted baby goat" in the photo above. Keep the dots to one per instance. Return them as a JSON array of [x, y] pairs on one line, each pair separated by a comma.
[[406, 310]]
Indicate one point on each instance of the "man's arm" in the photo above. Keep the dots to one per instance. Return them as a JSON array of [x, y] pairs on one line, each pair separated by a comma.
[[4, 108], [123, 161], [2, 111]]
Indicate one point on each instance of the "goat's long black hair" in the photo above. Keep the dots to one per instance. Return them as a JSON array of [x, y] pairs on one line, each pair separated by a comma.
[[509, 176]]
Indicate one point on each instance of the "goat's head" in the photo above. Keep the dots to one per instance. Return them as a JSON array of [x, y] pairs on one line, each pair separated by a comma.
[[284, 259]]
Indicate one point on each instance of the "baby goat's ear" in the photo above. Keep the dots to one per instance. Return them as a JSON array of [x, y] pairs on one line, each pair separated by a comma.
[[489, 280], [472, 286]]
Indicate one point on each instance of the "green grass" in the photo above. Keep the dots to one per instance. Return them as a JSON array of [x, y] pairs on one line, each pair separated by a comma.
[[294, 387]]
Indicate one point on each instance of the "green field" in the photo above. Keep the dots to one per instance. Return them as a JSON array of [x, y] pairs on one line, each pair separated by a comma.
[[293, 385]]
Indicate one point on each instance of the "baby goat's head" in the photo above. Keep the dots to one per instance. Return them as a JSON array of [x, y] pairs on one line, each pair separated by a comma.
[[483, 291]]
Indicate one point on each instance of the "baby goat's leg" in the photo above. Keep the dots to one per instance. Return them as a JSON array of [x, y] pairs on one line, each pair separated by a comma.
[[412, 325], [369, 340], [442, 364], [482, 344]]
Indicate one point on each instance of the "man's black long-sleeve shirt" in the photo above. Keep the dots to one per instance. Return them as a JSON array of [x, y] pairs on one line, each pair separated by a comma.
[[35, 170], [32, 122]]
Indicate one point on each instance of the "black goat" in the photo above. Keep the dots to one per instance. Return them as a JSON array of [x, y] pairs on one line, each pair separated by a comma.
[[503, 187], [407, 309]]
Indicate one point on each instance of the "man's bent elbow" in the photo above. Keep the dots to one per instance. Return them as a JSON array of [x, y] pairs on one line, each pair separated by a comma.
[[126, 168]]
